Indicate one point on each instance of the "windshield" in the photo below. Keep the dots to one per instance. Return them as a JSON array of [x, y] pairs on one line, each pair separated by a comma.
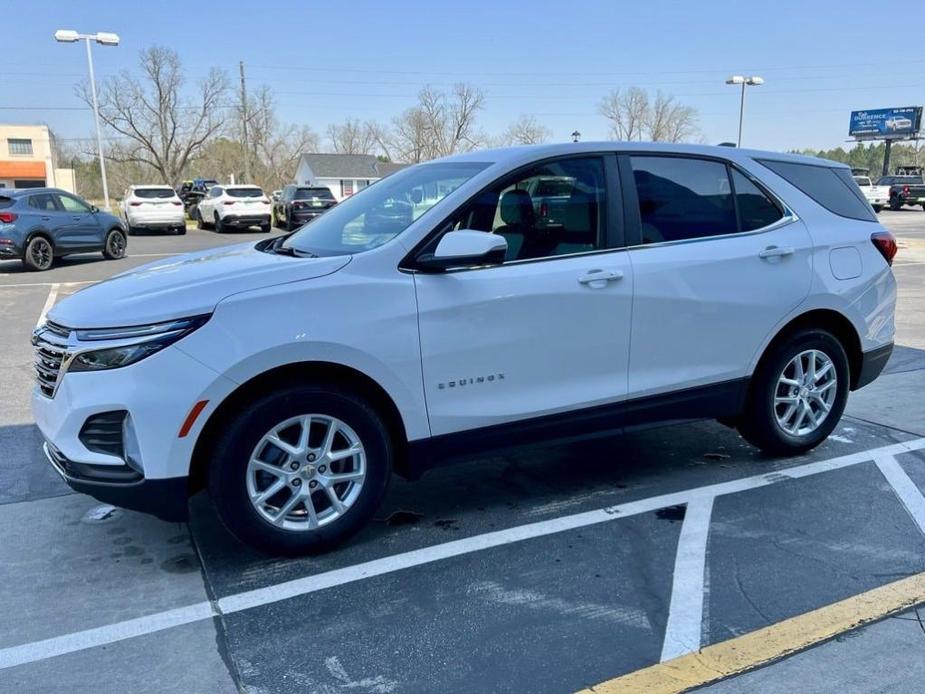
[[309, 193], [154, 193], [244, 192], [379, 213]]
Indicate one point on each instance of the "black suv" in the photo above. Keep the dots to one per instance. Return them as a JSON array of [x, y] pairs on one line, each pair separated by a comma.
[[300, 204]]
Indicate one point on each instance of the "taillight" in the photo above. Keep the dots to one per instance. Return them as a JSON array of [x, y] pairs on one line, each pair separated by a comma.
[[265, 201], [134, 204], [885, 242], [905, 190], [544, 209], [228, 202], [177, 203], [297, 205], [7, 217]]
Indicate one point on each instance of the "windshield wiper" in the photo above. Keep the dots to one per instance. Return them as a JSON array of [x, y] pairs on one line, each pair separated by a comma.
[[290, 251]]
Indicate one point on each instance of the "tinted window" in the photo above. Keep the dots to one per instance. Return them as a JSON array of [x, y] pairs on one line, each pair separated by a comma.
[[832, 188], [309, 193], [5, 202], [245, 192], [542, 226], [72, 204], [151, 193], [215, 192], [44, 202], [683, 198], [756, 210]]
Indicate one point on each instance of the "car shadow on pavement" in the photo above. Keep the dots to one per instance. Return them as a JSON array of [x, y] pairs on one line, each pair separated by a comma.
[[16, 267], [25, 474]]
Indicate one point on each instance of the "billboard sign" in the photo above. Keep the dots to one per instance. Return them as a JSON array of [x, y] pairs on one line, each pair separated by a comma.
[[886, 123]]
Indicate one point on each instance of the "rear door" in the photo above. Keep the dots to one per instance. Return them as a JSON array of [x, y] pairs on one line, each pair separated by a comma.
[[82, 230], [46, 215], [717, 263]]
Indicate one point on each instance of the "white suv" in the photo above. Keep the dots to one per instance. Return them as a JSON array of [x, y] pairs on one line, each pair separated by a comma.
[[153, 207], [434, 315], [233, 206]]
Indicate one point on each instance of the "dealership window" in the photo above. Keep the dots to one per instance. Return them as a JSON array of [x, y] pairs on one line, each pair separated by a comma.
[[346, 188], [683, 198], [20, 146]]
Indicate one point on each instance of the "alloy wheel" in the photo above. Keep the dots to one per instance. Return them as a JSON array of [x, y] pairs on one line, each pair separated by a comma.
[[40, 253], [306, 472], [805, 392], [116, 244]]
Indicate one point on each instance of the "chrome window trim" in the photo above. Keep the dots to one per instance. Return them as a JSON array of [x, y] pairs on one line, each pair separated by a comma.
[[788, 219]]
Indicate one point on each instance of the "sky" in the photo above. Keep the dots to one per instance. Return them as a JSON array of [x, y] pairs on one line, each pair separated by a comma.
[[553, 60]]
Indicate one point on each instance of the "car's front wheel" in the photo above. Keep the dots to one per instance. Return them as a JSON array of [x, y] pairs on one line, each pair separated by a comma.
[[39, 254], [114, 246], [301, 470], [798, 393]]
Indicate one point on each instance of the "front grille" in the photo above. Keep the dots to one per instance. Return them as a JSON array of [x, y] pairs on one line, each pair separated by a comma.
[[102, 433], [50, 343]]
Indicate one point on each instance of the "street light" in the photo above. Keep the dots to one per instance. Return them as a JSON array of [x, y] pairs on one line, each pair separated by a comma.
[[745, 82], [104, 38]]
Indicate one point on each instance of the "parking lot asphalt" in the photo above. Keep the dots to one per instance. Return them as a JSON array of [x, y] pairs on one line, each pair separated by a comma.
[[555, 570]]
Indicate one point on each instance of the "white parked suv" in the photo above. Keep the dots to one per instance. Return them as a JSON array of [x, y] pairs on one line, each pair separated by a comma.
[[233, 206], [432, 316], [153, 207]]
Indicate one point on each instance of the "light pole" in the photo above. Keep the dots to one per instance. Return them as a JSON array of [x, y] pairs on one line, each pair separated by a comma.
[[105, 39], [745, 82]]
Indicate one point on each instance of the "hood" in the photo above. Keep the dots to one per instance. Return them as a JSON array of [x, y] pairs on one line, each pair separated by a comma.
[[185, 285]]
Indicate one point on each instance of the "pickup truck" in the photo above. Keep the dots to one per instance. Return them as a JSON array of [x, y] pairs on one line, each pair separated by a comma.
[[878, 196], [904, 190]]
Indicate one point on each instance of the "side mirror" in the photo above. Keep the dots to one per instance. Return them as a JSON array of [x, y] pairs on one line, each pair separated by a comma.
[[464, 248], [94, 209]]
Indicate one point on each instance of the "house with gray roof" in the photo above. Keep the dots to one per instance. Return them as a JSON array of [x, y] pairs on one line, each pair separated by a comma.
[[342, 174]]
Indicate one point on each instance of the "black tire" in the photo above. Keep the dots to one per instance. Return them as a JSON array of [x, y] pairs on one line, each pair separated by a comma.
[[923, 207], [895, 204], [265, 228], [181, 231], [200, 224], [39, 254], [115, 245], [878, 208], [230, 457], [758, 423], [130, 230], [218, 225]]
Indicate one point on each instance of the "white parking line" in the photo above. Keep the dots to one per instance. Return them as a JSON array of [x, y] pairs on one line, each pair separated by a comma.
[[49, 302], [685, 612], [904, 487], [46, 284], [696, 498]]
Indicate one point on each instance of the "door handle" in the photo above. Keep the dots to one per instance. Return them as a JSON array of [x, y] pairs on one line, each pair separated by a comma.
[[601, 276], [45, 219], [776, 252]]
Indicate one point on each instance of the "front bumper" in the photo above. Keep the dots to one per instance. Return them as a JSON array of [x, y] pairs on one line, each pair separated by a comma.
[[872, 364], [166, 499]]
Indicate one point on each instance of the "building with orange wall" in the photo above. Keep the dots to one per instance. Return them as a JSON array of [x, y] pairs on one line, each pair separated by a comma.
[[27, 159]]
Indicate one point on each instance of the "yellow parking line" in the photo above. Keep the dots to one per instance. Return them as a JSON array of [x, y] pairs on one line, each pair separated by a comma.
[[764, 646]]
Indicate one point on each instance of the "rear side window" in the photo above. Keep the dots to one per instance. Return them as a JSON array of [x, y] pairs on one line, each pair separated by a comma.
[[152, 193], [682, 198], [44, 202], [832, 188], [244, 192], [756, 210]]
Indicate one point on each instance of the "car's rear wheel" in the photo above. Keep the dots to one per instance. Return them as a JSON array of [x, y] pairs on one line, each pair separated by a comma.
[[39, 254], [301, 470], [265, 228], [114, 246], [200, 223], [895, 204], [219, 225], [798, 393], [878, 208], [181, 230]]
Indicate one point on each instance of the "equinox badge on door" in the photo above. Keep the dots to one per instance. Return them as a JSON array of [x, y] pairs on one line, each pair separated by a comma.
[[459, 383]]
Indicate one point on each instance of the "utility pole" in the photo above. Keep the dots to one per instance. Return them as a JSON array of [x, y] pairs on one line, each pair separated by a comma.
[[886, 157], [247, 158]]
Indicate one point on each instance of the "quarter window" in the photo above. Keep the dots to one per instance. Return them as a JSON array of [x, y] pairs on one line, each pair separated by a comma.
[[756, 210], [830, 187], [20, 146], [683, 198], [554, 209]]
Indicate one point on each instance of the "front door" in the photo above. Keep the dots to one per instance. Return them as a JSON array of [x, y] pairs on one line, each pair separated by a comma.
[[82, 229], [547, 331], [718, 264]]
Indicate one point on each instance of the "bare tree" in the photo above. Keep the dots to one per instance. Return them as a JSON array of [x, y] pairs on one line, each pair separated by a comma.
[[439, 125], [277, 146], [164, 126], [627, 112], [670, 121], [525, 131], [354, 137]]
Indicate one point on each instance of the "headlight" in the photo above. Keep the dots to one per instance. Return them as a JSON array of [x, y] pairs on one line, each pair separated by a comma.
[[133, 343]]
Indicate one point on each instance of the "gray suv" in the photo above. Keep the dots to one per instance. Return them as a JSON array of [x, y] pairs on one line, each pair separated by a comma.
[[38, 225]]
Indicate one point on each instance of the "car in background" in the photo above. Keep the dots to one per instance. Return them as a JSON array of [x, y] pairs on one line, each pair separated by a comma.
[[904, 190], [298, 205], [550, 195], [192, 191], [878, 196], [38, 225], [228, 207], [153, 208], [274, 196]]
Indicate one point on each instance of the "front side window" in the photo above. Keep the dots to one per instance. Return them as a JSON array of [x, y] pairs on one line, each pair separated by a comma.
[[682, 198], [74, 205], [556, 208], [20, 146], [756, 210], [379, 213]]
